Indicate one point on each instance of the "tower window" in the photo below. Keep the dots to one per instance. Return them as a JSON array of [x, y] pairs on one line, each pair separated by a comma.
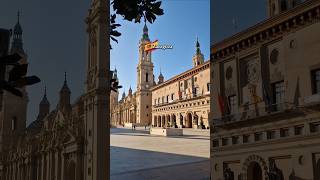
[[14, 123], [147, 77], [278, 95], [208, 86], [284, 5], [316, 81]]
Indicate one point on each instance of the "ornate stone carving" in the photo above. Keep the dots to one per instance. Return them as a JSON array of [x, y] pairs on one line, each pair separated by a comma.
[[253, 72], [228, 174], [274, 172]]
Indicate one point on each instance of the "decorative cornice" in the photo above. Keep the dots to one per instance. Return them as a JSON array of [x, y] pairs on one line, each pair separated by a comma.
[[183, 75], [303, 15]]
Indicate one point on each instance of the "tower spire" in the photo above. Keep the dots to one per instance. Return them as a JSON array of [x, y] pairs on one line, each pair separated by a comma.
[[18, 14], [198, 46], [65, 77], [45, 91], [17, 45], [44, 106], [198, 58], [44, 100], [145, 35]]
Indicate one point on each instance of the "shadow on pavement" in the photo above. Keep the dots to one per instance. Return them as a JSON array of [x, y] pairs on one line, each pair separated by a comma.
[[126, 160]]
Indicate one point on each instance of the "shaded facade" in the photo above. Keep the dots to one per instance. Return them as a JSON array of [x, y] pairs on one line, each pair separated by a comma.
[[266, 97], [65, 143]]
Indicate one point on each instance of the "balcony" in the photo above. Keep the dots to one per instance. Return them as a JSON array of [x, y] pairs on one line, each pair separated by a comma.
[[257, 113]]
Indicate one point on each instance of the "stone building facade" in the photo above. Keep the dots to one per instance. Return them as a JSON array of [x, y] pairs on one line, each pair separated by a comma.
[[266, 98], [70, 141], [135, 107], [155, 103], [184, 100]]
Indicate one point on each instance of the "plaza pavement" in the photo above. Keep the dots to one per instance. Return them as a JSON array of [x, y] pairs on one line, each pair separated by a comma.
[[137, 155]]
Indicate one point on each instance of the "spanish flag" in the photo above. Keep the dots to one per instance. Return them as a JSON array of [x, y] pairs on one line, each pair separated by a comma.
[[151, 46]]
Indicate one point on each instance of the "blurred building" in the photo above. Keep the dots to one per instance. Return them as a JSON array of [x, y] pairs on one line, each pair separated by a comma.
[[65, 143], [266, 97]]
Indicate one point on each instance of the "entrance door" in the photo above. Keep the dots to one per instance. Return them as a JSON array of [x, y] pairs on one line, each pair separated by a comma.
[[189, 121], [254, 171]]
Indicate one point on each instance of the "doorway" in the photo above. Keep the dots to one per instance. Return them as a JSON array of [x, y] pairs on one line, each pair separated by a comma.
[[254, 171]]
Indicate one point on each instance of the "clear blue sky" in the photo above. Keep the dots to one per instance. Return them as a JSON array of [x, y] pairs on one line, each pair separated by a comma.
[[245, 13], [182, 22]]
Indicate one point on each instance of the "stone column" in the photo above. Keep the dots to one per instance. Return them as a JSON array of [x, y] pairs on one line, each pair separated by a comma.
[[53, 167], [39, 167], [79, 167], [57, 165], [18, 170], [28, 168], [7, 173], [10, 175], [49, 168], [62, 165], [43, 166]]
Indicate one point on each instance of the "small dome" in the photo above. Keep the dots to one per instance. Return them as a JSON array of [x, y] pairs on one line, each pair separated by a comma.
[[44, 100], [161, 76]]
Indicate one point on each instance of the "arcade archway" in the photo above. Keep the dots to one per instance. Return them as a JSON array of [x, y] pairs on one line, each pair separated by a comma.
[[254, 171], [189, 120]]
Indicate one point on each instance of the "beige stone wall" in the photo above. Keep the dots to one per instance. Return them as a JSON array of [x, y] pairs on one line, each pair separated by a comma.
[[191, 108], [257, 132]]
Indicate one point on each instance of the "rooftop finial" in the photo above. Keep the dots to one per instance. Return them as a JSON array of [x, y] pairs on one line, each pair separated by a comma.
[[18, 16], [65, 77], [45, 90], [197, 43]]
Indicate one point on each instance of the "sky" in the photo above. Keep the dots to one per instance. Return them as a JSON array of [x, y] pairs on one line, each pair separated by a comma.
[[56, 41], [245, 13], [183, 21]]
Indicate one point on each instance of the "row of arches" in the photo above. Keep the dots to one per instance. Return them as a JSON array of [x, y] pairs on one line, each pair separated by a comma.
[[189, 120], [256, 168]]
